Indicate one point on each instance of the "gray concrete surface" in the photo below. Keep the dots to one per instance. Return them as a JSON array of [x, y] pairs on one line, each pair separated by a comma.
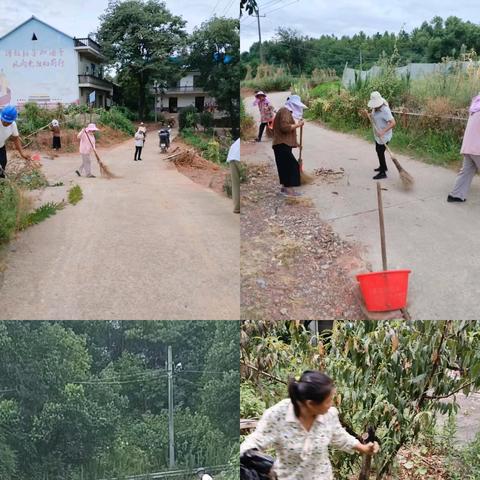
[[150, 245], [438, 241]]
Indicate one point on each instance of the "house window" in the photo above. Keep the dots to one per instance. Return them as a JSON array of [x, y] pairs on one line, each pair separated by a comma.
[[196, 80], [93, 68], [34, 37]]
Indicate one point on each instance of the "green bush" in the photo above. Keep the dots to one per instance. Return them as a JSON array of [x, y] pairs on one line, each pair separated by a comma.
[[9, 209], [116, 119], [213, 150], [187, 118], [206, 120], [32, 180], [279, 83], [75, 194]]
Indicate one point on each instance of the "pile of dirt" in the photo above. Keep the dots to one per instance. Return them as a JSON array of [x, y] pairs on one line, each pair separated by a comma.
[[293, 265], [192, 165]]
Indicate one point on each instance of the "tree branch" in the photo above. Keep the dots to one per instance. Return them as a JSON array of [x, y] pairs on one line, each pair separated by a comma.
[[261, 372], [439, 397]]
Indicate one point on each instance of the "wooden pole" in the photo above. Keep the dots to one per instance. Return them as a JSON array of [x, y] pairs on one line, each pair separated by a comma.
[[382, 225]]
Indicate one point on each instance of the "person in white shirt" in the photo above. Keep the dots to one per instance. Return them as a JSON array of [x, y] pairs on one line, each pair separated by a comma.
[[203, 475], [301, 428], [233, 158], [139, 143], [8, 128]]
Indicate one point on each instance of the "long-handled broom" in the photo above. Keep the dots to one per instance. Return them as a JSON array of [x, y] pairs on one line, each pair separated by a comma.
[[304, 177], [104, 170], [406, 178]]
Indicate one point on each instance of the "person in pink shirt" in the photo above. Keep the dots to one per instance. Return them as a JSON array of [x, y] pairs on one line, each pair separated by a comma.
[[87, 145], [471, 154]]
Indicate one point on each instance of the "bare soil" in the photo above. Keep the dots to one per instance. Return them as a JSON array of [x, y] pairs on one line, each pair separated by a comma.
[[293, 266], [200, 170]]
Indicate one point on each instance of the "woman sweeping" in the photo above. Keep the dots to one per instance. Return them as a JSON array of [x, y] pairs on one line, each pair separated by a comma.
[[300, 429], [8, 128], [384, 122], [55, 129], [284, 140], [266, 112], [471, 154], [87, 145]]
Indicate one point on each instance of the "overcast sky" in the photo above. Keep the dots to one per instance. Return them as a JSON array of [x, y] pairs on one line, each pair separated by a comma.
[[79, 17], [347, 17]]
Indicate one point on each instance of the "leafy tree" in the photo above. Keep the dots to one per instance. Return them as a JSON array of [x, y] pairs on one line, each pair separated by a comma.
[[89, 399], [139, 38], [250, 6], [214, 51], [394, 376]]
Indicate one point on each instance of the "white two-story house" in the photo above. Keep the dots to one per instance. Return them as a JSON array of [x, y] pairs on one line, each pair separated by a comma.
[[184, 93]]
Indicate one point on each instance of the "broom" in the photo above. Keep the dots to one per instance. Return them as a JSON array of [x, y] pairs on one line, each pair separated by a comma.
[[405, 177], [304, 177], [104, 171]]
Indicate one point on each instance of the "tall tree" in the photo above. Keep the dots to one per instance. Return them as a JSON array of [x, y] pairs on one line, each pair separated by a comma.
[[215, 52], [139, 38]]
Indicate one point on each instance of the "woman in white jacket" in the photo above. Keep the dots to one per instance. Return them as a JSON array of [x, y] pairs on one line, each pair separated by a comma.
[[301, 428]]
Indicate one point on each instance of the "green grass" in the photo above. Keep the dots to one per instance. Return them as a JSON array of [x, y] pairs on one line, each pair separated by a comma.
[[40, 214], [324, 89], [75, 194], [32, 180], [209, 148], [9, 209]]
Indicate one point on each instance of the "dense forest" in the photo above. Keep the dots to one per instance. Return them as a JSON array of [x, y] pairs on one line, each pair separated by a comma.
[[87, 400], [430, 42]]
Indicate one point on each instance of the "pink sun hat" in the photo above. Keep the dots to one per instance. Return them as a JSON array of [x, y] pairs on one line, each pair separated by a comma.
[[91, 128]]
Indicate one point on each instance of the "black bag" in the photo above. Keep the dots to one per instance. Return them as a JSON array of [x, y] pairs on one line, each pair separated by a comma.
[[255, 465]]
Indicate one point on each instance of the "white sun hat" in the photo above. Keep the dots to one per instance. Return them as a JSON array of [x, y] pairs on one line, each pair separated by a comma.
[[376, 100]]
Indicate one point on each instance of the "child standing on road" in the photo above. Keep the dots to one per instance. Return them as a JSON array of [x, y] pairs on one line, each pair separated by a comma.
[[87, 145], [55, 129], [139, 142]]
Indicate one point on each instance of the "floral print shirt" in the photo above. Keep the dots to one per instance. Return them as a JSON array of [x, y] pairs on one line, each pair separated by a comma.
[[301, 455], [266, 112]]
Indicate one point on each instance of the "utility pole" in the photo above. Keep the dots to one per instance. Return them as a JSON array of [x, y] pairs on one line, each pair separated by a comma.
[[260, 51], [171, 436]]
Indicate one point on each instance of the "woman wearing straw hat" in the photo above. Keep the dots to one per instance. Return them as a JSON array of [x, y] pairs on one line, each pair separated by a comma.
[[471, 154], [302, 428], [384, 122], [87, 145], [284, 140], [266, 112]]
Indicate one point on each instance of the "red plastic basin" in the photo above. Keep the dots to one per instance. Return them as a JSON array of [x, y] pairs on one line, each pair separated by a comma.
[[384, 291]]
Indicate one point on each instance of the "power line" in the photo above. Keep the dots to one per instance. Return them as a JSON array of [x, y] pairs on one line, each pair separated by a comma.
[[283, 6]]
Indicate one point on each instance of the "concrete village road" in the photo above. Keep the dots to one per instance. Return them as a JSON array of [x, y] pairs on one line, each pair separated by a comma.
[[438, 241], [149, 245]]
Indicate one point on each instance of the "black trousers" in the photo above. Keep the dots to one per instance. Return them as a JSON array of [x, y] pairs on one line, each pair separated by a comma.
[[138, 151], [56, 142], [287, 166], [3, 161], [380, 148], [261, 129]]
